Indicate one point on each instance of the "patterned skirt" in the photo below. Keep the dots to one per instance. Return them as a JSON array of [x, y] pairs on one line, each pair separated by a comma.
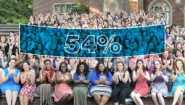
[[100, 89], [160, 88]]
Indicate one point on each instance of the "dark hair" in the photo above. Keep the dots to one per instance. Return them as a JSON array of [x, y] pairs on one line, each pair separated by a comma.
[[154, 71], [5, 38], [175, 66], [47, 60], [106, 72], [176, 52], [140, 60], [61, 66], [25, 62], [86, 68], [10, 61]]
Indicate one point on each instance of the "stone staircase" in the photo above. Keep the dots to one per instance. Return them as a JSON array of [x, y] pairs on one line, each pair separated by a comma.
[[6, 28]]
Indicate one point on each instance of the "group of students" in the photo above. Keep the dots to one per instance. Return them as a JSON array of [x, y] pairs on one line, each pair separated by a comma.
[[99, 83]]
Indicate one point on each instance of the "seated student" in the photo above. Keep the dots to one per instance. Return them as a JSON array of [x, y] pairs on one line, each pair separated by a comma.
[[29, 87], [10, 82], [81, 79], [121, 79], [178, 79], [63, 92], [159, 88], [101, 81], [45, 89], [140, 75]]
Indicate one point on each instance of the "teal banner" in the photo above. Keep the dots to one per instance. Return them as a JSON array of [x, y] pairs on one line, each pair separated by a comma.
[[98, 43]]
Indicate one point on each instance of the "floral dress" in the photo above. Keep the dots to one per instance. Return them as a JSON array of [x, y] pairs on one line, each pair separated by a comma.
[[28, 89]]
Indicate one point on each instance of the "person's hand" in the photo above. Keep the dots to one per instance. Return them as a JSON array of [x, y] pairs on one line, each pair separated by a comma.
[[116, 77], [82, 79], [103, 78], [13, 73]]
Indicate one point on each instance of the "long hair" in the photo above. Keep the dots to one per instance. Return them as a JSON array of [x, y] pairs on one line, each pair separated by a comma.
[[124, 68], [61, 66], [154, 71], [23, 63], [144, 68], [169, 56], [175, 65], [98, 71], [86, 68]]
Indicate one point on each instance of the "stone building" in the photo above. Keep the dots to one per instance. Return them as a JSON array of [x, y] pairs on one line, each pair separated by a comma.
[[172, 10]]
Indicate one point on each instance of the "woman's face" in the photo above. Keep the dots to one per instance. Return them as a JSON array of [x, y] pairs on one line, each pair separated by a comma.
[[12, 64], [140, 64], [179, 46], [63, 68], [169, 39], [178, 54], [166, 54], [101, 67], [26, 67], [48, 64], [179, 64], [82, 68], [120, 66], [157, 65], [151, 45], [3, 39]]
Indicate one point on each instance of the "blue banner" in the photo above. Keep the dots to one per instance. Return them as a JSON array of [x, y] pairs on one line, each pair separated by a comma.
[[92, 42]]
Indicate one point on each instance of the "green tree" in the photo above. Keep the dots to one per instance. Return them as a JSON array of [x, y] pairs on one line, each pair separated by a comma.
[[79, 8], [15, 11]]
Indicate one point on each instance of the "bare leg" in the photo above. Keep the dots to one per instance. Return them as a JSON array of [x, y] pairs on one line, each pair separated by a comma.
[[26, 100], [97, 98], [154, 98], [117, 103], [133, 98], [21, 99], [177, 94], [138, 99], [8, 95], [180, 99], [104, 100], [15, 94], [161, 99]]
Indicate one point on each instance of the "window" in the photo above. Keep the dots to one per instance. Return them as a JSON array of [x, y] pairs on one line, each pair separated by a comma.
[[161, 9], [63, 8]]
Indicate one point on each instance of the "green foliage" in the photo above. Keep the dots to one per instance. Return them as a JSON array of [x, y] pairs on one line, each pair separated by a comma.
[[79, 8], [15, 11]]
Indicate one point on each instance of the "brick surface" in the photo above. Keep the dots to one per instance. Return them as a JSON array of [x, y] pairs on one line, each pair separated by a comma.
[[46, 6]]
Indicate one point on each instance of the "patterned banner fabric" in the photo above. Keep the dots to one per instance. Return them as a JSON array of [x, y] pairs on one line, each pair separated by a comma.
[[97, 43]]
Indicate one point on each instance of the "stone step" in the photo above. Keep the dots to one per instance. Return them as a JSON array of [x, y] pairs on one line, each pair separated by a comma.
[[8, 30], [9, 25]]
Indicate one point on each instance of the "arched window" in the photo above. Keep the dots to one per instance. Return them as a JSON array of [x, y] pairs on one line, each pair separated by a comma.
[[162, 8]]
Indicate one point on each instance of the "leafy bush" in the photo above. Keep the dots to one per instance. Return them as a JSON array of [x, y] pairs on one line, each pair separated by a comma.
[[15, 11], [79, 8]]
